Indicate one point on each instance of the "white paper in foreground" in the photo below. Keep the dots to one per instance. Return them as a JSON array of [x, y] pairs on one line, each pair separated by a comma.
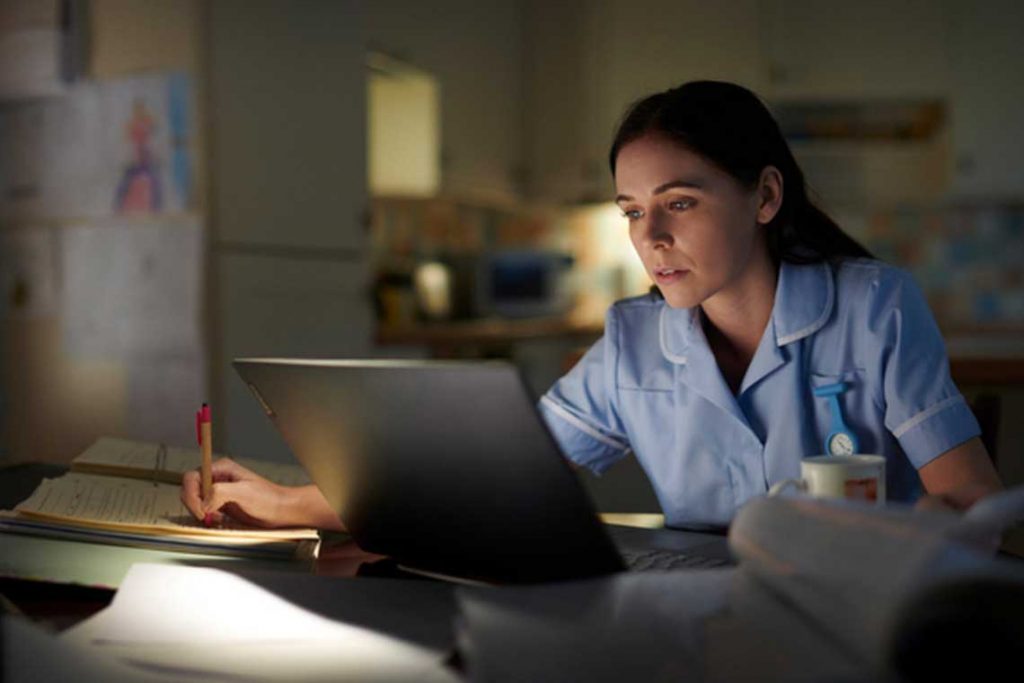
[[201, 621]]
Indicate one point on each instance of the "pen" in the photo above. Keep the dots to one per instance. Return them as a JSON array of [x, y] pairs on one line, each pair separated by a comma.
[[203, 434]]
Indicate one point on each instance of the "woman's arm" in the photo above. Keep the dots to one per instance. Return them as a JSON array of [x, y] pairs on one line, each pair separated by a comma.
[[959, 477]]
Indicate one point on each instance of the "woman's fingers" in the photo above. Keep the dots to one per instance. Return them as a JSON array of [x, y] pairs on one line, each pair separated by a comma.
[[226, 469], [190, 494], [242, 500]]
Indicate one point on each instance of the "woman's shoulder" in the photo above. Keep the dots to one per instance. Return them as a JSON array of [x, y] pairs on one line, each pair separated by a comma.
[[871, 294], [862, 280], [635, 321], [636, 307], [867, 270]]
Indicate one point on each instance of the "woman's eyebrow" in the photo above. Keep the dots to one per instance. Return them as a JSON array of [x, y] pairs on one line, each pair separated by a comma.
[[664, 187]]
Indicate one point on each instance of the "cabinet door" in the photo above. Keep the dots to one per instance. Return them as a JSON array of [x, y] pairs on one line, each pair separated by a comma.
[[282, 305], [987, 101], [833, 49], [287, 97]]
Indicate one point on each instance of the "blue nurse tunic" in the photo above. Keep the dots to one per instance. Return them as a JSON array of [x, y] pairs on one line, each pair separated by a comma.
[[651, 386]]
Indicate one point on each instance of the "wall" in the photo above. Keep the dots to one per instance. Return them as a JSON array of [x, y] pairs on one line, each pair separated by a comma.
[[52, 403]]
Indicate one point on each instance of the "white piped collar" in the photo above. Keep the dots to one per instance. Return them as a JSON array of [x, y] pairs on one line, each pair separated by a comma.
[[804, 299]]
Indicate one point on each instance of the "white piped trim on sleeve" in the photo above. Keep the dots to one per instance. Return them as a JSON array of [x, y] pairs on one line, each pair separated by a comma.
[[582, 426], [925, 414]]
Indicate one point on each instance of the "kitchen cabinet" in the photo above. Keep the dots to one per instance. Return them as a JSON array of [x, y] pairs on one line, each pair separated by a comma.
[[987, 101], [288, 123], [288, 268], [282, 305], [837, 50]]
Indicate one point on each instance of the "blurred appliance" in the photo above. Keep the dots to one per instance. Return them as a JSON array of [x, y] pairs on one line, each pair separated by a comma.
[[523, 284]]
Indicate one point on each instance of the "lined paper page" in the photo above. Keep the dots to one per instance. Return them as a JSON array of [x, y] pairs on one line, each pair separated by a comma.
[[130, 504]]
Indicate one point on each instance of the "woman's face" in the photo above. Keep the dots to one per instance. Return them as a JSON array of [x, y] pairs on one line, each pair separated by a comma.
[[698, 232]]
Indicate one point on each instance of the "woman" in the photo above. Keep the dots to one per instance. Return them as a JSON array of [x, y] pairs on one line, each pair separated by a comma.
[[761, 299]]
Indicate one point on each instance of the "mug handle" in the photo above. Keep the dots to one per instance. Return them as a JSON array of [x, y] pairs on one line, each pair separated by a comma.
[[780, 487]]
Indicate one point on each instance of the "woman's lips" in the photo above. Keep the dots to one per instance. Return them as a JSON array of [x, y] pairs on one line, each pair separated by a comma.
[[666, 276]]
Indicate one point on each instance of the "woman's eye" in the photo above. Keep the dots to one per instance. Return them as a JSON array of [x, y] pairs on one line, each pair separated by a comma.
[[680, 204], [632, 214]]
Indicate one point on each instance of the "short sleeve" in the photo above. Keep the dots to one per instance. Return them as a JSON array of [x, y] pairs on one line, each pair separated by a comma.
[[924, 409], [580, 408]]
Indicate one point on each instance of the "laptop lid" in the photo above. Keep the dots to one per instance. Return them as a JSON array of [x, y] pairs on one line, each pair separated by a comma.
[[445, 466]]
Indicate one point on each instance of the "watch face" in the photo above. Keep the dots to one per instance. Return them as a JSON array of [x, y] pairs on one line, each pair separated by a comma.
[[840, 444]]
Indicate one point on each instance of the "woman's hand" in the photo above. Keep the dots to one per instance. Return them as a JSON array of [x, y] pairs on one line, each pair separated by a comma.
[[251, 499], [958, 500], [239, 493]]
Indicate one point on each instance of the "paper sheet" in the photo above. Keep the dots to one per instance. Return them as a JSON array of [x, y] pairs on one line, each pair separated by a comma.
[[200, 620], [147, 130], [132, 290], [53, 167]]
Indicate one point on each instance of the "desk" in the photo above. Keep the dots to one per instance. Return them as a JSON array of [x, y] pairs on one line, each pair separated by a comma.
[[731, 624], [63, 582]]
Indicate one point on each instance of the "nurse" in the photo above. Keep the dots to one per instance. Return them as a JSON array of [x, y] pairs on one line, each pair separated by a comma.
[[771, 335]]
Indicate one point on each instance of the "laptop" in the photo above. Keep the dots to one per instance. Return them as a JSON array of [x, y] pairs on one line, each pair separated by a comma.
[[444, 466]]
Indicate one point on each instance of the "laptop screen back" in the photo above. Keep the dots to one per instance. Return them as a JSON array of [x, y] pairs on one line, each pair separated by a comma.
[[445, 466]]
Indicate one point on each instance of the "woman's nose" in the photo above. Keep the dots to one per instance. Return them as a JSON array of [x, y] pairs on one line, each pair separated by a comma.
[[655, 231]]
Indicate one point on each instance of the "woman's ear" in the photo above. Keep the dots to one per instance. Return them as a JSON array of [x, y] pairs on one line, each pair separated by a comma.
[[769, 194]]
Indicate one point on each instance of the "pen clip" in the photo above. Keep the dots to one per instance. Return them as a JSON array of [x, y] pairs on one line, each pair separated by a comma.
[[199, 430]]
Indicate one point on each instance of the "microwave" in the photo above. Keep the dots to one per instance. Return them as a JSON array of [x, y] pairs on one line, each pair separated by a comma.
[[523, 283]]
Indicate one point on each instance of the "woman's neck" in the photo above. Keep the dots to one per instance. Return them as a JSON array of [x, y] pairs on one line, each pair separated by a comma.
[[735, 320]]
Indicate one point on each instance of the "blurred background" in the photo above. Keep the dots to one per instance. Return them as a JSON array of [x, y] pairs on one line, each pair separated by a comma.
[[183, 182]]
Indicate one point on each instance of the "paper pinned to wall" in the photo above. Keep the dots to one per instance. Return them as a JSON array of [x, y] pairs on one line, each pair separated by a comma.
[[147, 131], [28, 274], [132, 290], [121, 146]]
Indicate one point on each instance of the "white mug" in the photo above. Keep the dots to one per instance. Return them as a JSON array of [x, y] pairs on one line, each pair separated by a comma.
[[855, 477]]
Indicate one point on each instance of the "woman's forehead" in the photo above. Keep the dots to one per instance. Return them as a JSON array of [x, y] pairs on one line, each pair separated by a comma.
[[653, 161]]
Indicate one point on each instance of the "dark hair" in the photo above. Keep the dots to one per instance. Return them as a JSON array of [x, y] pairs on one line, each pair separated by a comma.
[[730, 127]]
